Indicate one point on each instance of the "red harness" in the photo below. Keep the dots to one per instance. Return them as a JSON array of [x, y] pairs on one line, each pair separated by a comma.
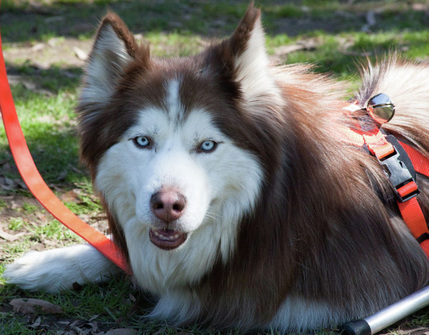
[[400, 161]]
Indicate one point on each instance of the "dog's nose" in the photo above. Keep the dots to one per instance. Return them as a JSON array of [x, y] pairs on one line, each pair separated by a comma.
[[168, 204]]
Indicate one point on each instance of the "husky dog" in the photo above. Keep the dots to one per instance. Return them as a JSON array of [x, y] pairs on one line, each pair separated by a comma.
[[229, 191]]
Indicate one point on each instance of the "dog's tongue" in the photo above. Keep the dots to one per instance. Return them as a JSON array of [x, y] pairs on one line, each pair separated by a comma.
[[167, 239]]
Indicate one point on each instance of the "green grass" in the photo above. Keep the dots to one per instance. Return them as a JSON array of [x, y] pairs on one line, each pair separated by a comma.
[[30, 208], [86, 205], [45, 99], [47, 123], [112, 304], [173, 44], [54, 230], [15, 224]]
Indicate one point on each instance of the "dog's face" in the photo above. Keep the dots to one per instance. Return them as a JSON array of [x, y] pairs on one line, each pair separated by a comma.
[[176, 171], [173, 146]]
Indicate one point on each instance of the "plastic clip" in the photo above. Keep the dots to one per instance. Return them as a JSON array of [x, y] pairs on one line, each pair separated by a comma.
[[400, 171]]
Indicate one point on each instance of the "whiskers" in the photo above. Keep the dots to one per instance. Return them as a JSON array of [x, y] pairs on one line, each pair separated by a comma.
[[212, 216]]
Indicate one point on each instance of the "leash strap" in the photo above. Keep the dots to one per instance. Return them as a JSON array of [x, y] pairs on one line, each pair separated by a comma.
[[37, 185]]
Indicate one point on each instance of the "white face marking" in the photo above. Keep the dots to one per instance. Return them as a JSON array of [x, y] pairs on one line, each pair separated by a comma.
[[219, 180], [172, 161], [173, 101]]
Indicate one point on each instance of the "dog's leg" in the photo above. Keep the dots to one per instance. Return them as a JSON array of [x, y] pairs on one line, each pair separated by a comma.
[[58, 269]]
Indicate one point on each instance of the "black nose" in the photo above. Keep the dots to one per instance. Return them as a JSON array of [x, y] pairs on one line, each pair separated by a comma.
[[168, 204]]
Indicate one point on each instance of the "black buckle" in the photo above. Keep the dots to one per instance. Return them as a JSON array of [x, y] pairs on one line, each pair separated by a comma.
[[399, 168]]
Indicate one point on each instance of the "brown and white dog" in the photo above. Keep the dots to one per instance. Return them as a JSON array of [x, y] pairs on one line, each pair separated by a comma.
[[228, 189]]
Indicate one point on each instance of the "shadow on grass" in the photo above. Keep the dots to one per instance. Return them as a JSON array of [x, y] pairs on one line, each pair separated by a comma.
[[43, 20], [55, 154], [30, 80], [45, 101]]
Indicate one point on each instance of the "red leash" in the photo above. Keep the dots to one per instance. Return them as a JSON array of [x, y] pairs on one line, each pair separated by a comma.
[[37, 185]]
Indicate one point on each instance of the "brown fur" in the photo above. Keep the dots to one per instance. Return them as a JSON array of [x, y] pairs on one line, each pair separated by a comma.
[[326, 227]]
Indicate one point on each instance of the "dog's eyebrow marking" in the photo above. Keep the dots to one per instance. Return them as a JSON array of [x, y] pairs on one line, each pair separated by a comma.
[[173, 103]]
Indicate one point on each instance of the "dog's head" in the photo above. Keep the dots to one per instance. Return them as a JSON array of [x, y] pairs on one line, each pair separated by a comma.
[[174, 145]]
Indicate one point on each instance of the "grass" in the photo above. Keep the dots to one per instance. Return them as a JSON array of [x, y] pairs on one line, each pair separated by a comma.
[[112, 304], [45, 97]]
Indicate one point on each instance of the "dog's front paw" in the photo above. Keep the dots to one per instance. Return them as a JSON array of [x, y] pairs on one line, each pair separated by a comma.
[[59, 269]]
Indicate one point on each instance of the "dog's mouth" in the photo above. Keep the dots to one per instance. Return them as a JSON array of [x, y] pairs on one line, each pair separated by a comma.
[[167, 239]]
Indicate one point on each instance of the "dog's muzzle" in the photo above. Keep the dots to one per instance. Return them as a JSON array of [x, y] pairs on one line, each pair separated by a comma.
[[168, 205]]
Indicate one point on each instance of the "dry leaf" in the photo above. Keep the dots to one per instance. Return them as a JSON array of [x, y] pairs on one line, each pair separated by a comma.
[[32, 306], [38, 47], [9, 237], [36, 323], [80, 54], [302, 45], [93, 317]]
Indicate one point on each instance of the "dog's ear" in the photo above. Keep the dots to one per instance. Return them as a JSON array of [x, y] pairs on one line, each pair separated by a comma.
[[247, 43], [243, 56], [114, 48]]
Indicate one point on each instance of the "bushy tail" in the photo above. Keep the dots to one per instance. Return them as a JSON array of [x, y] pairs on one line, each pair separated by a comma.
[[407, 85]]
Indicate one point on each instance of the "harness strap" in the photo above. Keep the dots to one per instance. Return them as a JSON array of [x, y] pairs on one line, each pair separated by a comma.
[[387, 154], [408, 205], [410, 209], [420, 162], [37, 185], [378, 146], [413, 216]]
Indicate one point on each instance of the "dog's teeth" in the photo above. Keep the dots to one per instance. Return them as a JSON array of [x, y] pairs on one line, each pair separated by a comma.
[[165, 237]]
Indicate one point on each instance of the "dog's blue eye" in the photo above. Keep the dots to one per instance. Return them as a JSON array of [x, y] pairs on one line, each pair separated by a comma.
[[142, 142], [207, 146]]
